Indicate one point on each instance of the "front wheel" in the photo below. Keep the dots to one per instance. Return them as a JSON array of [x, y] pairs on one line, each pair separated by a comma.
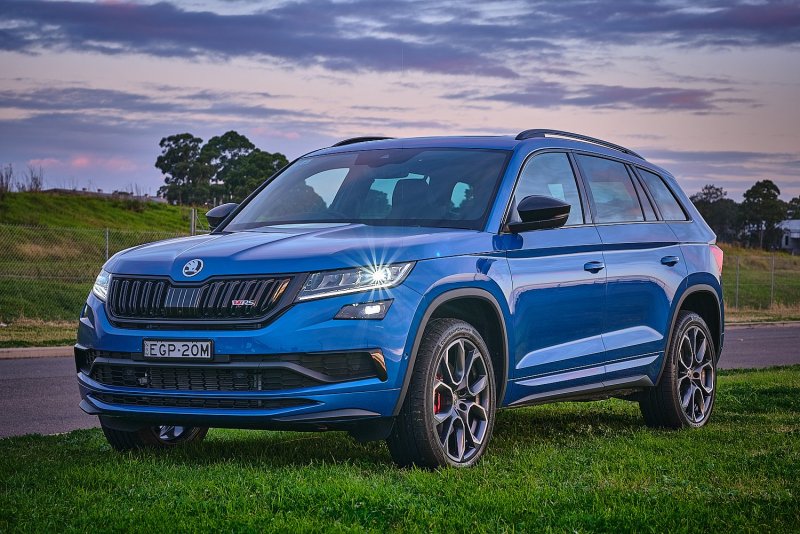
[[159, 437], [448, 413], [685, 395]]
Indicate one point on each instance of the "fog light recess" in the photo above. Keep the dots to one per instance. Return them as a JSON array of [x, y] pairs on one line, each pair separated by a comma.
[[365, 310]]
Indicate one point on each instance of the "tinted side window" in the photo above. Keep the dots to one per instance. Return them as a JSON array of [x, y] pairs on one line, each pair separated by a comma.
[[551, 175], [670, 208], [614, 195]]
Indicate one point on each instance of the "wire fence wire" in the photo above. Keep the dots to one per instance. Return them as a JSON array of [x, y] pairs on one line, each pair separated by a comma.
[[46, 273]]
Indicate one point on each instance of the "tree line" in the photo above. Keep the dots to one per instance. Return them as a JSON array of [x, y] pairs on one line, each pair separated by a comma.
[[754, 222], [226, 168]]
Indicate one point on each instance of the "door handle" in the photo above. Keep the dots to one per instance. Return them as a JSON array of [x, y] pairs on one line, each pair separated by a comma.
[[594, 266], [670, 260]]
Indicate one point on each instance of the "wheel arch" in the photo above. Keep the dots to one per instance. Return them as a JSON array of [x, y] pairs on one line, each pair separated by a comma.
[[477, 307], [704, 300]]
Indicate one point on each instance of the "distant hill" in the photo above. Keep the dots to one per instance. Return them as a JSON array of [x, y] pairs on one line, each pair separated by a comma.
[[71, 210]]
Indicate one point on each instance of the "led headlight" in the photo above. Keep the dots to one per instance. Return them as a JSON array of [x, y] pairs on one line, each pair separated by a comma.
[[101, 284], [330, 283]]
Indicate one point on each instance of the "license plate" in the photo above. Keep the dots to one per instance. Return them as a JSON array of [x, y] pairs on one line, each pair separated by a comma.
[[177, 349]]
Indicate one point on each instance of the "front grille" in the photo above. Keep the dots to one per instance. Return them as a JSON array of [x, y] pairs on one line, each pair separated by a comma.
[[193, 402], [220, 299]]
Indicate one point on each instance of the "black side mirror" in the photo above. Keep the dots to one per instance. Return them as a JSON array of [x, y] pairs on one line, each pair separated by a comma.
[[216, 215], [540, 212]]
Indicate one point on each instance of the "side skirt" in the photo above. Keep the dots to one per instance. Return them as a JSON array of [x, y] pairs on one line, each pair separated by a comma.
[[585, 391]]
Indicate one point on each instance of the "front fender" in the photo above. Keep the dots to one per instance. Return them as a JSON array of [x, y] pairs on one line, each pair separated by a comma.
[[485, 277]]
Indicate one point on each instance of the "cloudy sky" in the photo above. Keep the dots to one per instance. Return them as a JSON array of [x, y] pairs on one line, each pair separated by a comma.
[[708, 89]]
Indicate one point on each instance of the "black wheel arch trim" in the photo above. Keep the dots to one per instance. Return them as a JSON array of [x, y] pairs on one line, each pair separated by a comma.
[[441, 299], [696, 288]]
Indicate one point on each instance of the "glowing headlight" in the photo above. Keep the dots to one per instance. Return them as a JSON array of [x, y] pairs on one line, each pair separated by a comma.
[[100, 288], [330, 283]]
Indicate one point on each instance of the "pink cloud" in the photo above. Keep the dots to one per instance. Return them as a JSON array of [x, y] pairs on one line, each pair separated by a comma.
[[85, 161]]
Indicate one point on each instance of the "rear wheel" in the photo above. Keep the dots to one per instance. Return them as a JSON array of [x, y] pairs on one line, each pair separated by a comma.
[[163, 436], [448, 414], [685, 395]]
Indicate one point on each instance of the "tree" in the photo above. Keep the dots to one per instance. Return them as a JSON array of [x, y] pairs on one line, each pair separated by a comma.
[[722, 214], [227, 167], [221, 153], [185, 177], [793, 208], [6, 179], [709, 194], [762, 210], [245, 173]]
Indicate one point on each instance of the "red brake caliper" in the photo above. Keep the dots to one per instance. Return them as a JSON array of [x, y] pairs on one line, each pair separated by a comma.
[[437, 398]]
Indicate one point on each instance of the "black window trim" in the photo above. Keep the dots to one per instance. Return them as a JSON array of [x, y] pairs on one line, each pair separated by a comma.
[[644, 194], [578, 182]]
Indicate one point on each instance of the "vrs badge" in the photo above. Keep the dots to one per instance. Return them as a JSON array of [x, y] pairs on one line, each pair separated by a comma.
[[243, 303]]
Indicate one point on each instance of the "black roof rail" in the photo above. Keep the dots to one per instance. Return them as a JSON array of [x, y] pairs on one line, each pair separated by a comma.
[[530, 134], [360, 140]]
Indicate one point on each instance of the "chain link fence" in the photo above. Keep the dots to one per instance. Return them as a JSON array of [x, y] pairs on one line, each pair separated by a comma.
[[761, 281], [46, 273]]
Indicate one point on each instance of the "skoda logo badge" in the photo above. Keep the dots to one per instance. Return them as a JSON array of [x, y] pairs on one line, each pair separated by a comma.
[[192, 267]]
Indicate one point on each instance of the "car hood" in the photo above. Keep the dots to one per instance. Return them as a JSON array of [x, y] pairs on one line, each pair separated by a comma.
[[296, 249]]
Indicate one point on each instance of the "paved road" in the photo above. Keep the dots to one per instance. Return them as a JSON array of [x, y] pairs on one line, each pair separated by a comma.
[[40, 395]]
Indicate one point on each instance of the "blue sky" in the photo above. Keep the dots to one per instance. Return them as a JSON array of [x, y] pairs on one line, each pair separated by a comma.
[[709, 90]]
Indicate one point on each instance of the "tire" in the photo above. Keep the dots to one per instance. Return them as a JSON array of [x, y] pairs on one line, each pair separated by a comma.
[[685, 395], [153, 437], [449, 410]]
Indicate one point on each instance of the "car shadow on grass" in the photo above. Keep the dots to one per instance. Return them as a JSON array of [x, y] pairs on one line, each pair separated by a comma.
[[514, 428]]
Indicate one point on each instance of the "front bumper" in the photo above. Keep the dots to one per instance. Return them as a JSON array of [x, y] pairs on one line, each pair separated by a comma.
[[271, 377]]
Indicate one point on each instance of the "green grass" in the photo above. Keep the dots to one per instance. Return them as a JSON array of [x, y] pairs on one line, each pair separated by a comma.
[[38, 333], [567, 467], [80, 211]]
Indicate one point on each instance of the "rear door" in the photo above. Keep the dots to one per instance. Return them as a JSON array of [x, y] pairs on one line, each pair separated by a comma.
[[644, 268], [558, 294]]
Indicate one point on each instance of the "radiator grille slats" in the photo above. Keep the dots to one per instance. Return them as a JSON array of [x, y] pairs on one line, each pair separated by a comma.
[[159, 298]]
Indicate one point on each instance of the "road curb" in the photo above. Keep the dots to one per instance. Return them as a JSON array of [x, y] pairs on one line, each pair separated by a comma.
[[36, 352], [761, 323]]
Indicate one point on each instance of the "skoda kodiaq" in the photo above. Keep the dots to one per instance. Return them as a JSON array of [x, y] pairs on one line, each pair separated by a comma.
[[407, 289]]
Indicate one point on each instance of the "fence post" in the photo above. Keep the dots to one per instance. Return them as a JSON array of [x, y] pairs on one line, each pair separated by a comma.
[[772, 283], [193, 221], [736, 305], [106, 244]]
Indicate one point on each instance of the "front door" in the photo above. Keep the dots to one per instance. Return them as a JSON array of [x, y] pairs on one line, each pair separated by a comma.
[[558, 298]]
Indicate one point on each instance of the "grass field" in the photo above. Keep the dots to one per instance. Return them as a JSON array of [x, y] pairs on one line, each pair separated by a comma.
[[79, 211], [567, 467], [755, 274]]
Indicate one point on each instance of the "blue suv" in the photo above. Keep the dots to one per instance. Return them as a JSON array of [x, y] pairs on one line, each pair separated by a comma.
[[407, 289]]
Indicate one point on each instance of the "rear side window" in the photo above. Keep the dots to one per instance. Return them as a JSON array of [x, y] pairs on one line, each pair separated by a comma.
[[612, 190], [667, 203]]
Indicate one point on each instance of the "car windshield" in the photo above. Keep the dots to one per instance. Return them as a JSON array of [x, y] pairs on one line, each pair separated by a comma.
[[438, 187]]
